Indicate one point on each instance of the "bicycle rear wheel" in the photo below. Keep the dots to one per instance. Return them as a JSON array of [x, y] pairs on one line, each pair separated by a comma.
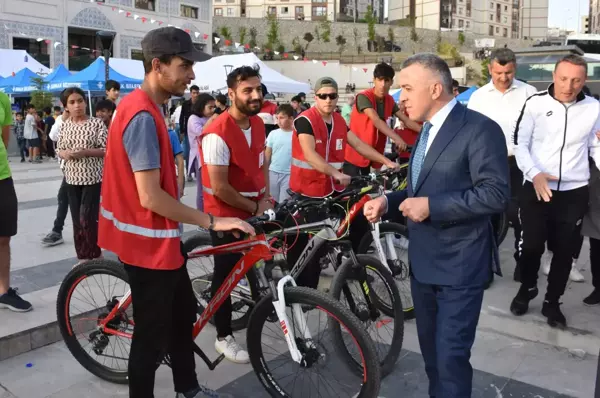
[[381, 314], [87, 295], [322, 370]]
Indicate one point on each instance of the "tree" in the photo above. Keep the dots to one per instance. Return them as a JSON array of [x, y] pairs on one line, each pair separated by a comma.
[[438, 42], [326, 31], [308, 38], [242, 34], [317, 34], [461, 38], [40, 98], [485, 72], [273, 32], [253, 33], [281, 48], [413, 34], [225, 33], [341, 42], [296, 44], [391, 35], [371, 21]]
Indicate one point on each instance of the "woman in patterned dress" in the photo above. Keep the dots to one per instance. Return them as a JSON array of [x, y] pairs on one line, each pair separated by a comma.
[[82, 144]]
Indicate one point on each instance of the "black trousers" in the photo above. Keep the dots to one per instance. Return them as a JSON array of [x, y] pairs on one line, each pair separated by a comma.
[[23, 151], [516, 184], [62, 209], [164, 309], [576, 243], [84, 202], [50, 148], [595, 262], [353, 170], [557, 221]]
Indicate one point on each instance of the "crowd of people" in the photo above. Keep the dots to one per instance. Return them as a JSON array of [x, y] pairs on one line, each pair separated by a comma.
[[530, 153]]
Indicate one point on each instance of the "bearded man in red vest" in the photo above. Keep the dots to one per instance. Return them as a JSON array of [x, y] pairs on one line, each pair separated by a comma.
[[371, 119], [140, 217], [235, 182]]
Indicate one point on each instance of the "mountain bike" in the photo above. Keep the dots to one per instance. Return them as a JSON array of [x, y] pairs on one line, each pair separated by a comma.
[[361, 282], [98, 334]]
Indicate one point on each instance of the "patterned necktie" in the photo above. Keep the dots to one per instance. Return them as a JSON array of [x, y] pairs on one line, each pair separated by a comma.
[[419, 155]]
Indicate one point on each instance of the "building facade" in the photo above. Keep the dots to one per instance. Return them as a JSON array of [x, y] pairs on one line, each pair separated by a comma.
[[491, 18], [301, 10], [585, 24], [594, 16], [64, 31]]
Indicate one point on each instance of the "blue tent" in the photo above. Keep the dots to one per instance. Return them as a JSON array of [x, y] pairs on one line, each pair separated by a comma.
[[463, 97], [20, 83], [59, 73], [92, 79]]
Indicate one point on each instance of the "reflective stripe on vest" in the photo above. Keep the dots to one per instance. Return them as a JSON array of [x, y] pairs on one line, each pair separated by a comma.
[[307, 166], [245, 194], [137, 230]]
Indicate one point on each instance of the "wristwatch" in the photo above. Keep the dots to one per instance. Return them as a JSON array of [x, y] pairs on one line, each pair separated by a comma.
[[211, 226]]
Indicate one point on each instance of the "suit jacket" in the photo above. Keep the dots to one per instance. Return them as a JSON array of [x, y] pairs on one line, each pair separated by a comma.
[[465, 176]]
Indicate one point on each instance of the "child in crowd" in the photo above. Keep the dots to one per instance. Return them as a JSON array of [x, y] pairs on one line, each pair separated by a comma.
[[104, 110], [178, 154], [278, 154], [19, 131]]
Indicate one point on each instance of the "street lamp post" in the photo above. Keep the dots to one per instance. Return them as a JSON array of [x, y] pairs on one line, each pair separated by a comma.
[[106, 39]]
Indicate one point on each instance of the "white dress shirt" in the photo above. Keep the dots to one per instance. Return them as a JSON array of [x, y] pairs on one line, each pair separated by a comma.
[[438, 120], [503, 108]]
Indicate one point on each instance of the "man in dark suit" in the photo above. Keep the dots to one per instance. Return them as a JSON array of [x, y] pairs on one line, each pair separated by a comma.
[[457, 179]]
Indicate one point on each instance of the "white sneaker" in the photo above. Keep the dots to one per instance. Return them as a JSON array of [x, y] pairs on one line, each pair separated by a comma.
[[546, 261], [575, 275], [232, 350]]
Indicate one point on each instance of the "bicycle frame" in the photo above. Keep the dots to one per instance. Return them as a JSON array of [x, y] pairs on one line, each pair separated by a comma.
[[256, 250]]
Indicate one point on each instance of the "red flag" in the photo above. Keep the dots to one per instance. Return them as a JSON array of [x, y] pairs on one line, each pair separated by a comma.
[[13, 74], [324, 63], [144, 19], [128, 14], [365, 70], [187, 31], [114, 8], [160, 23], [48, 41], [227, 42], [247, 45], [305, 59], [205, 36], [285, 55]]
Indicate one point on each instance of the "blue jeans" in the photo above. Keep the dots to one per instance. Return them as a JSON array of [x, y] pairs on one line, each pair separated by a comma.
[[186, 151]]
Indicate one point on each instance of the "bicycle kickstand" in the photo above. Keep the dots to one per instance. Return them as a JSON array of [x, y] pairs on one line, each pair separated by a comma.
[[211, 365]]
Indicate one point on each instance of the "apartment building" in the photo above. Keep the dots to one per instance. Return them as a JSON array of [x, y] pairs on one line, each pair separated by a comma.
[[64, 31], [594, 17], [584, 27], [496, 18], [302, 10]]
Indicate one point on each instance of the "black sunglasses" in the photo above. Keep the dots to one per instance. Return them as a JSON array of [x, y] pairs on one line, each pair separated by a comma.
[[331, 96]]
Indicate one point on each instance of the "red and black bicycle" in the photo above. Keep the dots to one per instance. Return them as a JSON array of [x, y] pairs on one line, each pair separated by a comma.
[[289, 352]]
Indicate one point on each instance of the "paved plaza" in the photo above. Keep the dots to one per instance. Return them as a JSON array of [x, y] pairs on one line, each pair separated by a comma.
[[512, 357]]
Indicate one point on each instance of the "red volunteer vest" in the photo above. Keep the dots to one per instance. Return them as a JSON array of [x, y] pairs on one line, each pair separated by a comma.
[[304, 179], [137, 235], [245, 164], [363, 127]]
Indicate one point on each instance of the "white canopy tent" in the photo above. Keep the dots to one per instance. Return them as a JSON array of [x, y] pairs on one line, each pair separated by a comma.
[[211, 74], [127, 67], [12, 61]]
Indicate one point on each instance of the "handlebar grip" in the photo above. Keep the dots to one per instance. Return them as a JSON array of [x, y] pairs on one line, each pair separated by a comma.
[[268, 215]]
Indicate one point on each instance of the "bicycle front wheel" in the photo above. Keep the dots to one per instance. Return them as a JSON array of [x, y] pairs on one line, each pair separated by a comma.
[[323, 370], [369, 291]]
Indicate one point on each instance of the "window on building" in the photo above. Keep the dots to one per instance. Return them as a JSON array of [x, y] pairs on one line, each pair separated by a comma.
[[505, 8], [491, 17], [137, 54], [230, 12], [461, 23], [491, 5], [460, 10], [497, 29], [319, 11], [145, 4], [299, 10], [218, 12], [505, 32], [272, 10], [284, 10], [491, 30], [505, 19], [319, 1], [467, 24], [189, 11], [80, 58], [38, 50]]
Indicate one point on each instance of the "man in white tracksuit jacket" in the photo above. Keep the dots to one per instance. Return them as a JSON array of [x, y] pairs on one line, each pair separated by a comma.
[[553, 136]]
